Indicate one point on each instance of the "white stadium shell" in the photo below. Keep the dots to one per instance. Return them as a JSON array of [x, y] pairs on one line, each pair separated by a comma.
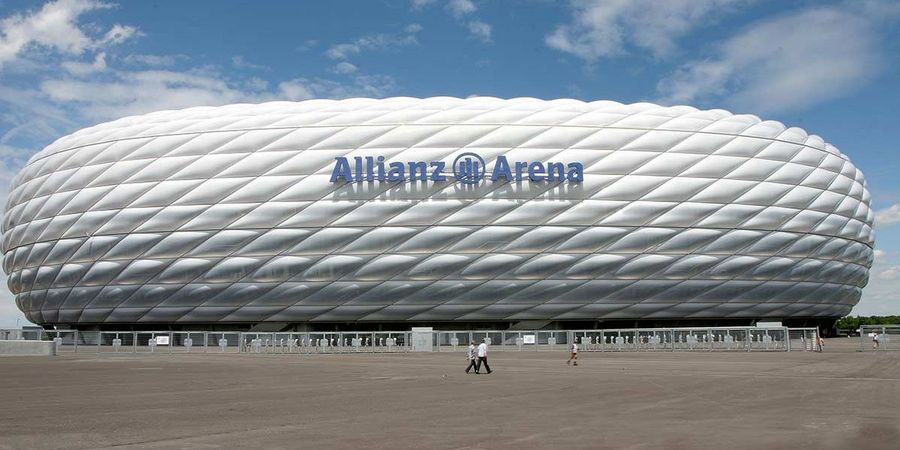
[[405, 210]]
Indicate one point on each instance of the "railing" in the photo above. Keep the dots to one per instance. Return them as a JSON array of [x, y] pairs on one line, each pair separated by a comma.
[[71, 341], [534, 340], [804, 339], [879, 337], [710, 339], [733, 339], [629, 339]]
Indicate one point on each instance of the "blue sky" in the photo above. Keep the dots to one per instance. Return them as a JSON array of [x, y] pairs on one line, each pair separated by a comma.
[[829, 67]]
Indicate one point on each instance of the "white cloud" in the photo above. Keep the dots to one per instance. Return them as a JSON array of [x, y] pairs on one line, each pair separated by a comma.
[[296, 90], [344, 67], [888, 216], [55, 96], [241, 63], [152, 60], [464, 13], [55, 27], [117, 35], [879, 297], [460, 8], [480, 30], [464, 9], [782, 64], [890, 273], [28, 117], [602, 28], [307, 45], [375, 42], [342, 51], [256, 84], [126, 93], [361, 86], [11, 158], [80, 68], [136, 92], [418, 5]]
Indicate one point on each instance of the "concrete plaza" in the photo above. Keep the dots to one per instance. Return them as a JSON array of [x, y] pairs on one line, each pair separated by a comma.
[[833, 400]]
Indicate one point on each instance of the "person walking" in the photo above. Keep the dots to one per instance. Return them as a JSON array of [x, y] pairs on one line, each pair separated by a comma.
[[875, 341], [820, 344], [472, 357], [482, 357], [574, 349]]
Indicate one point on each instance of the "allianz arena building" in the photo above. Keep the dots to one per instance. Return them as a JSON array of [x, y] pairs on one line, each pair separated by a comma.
[[440, 211]]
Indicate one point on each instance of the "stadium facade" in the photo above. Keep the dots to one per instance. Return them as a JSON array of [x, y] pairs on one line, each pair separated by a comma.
[[442, 211]]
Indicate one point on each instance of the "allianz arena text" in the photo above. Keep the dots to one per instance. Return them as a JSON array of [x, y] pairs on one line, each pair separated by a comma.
[[440, 211]]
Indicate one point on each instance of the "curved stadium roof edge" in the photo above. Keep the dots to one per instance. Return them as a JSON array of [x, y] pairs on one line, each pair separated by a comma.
[[755, 127]]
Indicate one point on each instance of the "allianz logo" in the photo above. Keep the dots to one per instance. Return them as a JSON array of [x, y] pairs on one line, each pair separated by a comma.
[[467, 168]]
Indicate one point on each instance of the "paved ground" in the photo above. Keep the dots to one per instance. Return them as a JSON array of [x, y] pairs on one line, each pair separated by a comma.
[[835, 400]]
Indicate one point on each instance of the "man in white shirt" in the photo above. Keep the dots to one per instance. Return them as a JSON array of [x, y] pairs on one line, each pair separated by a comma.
[[482, 357], [472, 357]]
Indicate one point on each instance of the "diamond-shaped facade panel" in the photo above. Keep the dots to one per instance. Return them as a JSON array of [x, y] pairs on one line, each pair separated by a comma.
[[230, 214]]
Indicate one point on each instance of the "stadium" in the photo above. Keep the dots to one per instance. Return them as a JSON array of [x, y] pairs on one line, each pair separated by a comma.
[[445, 212]]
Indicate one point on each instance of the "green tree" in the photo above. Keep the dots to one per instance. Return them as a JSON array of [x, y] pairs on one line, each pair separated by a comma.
[[853, 323]]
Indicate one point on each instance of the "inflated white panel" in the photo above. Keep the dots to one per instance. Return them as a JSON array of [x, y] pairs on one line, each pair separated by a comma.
[[228, 214]]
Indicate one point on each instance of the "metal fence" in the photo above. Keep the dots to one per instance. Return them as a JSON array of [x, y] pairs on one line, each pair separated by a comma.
[[879, 337], [803, 339], [534, 340], [632, 339], [710, 339], [104, 342], [731, 339]]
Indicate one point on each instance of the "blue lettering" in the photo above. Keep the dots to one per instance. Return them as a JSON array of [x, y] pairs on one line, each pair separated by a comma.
[[397, 172], [359, 168], [559, 169], [437, 173], [381, 168], [416, 169], [536, 171], [576, 172], [501, 169], [341, 170], [370, 163], [520, 169], [467, 169]]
